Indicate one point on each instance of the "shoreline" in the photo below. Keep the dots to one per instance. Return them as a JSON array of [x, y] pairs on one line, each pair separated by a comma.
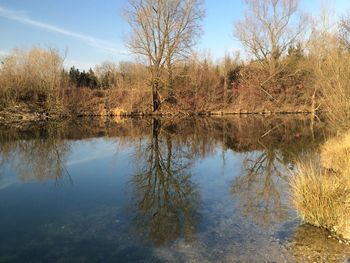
[[18, 117]]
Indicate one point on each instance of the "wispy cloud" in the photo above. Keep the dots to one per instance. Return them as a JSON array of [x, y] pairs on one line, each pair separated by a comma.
[[82, 65], [3, 53], [100, 44]]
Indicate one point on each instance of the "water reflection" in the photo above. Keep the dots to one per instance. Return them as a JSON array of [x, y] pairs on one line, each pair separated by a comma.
[[262, 187], [39, 159], [157, 190], [166, 198]]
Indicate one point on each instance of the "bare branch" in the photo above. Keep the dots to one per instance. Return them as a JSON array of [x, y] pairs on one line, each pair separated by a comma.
[[163, 31]]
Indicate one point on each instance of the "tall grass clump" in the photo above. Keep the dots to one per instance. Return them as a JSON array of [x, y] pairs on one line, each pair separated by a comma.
[[321, 190], [33, 75], [335, 153]]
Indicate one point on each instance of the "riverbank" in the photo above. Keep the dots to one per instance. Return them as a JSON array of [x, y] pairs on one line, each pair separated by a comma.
[[30, 113], [321, 188]]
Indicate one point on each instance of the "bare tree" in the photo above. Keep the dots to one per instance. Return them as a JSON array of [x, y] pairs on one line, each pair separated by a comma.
[[344, 27], [163, 31], [228, 64], [269, 28]]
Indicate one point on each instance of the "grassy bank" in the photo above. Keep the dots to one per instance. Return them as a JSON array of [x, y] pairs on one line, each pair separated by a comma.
[[321, 189], [321, 186]]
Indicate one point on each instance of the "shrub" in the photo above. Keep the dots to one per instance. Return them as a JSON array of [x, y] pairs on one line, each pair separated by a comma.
[[330, 60], [34, 75]]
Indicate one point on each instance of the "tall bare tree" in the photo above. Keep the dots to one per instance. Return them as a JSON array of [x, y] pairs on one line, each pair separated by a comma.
[[344, 27], [229, 64], [163, 31], [269, 28]]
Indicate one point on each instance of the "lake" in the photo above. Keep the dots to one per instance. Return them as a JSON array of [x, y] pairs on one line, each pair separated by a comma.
[[158, 190]]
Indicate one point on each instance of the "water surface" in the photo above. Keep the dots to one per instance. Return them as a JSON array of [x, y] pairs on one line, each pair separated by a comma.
[[158, 190]]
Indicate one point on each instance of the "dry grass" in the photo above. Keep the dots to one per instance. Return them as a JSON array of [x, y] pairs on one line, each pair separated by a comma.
[[320, 197], [330, 60], [31, 75], [321, 191], [335, 153], [84, 101]]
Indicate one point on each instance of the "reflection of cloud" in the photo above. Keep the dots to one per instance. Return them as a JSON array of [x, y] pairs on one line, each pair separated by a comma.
[[8, 184], [90, 40], [7, 181], [95, 154], [85, 160]]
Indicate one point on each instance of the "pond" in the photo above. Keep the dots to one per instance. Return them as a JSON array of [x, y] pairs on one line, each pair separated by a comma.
[[158, 190]]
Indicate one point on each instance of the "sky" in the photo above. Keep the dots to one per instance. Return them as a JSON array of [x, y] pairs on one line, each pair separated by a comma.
[[92, 31]]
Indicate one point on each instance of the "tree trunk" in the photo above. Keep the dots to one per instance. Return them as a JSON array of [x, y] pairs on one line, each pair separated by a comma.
[[156, 103], [156, 126], [155, 96], [225, 91], [273, 67], [170, 84], [313, 113]]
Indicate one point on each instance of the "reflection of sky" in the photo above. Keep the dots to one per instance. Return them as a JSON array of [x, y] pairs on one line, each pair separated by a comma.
[[95, 212], [83, 152], [7, 176], [218, 168]]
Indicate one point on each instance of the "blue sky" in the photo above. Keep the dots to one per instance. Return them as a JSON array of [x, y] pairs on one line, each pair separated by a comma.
[[94, 31]]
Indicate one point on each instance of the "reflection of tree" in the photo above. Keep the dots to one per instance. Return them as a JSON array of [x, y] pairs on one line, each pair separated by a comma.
[[39, 159], [42, 159], [166, 197], [260, 187]]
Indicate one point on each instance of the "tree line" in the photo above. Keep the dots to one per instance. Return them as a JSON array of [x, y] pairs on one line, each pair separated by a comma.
[[291, 64]]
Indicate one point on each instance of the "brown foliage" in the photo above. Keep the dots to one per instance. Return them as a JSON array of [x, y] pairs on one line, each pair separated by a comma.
[[34, 75]]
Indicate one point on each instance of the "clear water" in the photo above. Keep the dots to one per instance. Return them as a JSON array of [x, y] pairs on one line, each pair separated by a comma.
[[157, 190]]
